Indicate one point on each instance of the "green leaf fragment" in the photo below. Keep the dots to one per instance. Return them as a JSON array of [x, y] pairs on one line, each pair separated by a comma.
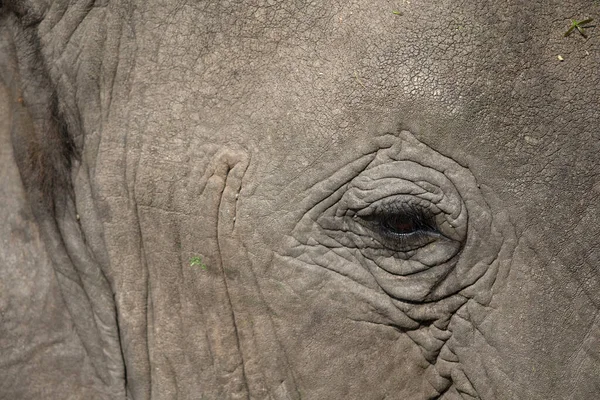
[[579, 25]]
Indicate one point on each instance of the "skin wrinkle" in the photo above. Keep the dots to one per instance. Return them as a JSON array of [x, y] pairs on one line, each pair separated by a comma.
[[339, 186], [365, 243], [572, 357], [365, 158], [277, 339], [219, 170], [80, 255], [424, 166], [407, 322], [149, 326], [228, 167], [316, 260], [414, 270], [139, 355], [256, 345]]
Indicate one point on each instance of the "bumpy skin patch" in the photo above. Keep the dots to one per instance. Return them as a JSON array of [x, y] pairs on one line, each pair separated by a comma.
[[417, 284], [303, 86]]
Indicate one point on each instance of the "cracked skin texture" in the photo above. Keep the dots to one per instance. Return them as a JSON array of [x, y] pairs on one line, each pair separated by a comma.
[[251, 134]]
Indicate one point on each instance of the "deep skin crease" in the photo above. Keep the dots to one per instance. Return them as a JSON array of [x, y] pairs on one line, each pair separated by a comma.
[[388, 204]]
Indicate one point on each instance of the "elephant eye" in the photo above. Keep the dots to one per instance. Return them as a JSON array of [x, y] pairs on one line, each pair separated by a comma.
[[400, 224], [405, 226]]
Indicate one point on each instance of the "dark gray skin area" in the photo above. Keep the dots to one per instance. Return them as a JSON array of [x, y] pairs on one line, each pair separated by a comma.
[[388, 206]]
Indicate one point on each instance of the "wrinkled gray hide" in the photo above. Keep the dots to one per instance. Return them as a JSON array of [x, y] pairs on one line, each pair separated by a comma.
[[299, 200]]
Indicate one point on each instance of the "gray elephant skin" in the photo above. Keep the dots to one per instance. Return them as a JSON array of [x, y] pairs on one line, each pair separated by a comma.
[[299, 200]]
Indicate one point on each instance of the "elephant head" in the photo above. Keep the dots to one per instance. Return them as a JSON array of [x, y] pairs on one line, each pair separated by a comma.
[[299, 200]]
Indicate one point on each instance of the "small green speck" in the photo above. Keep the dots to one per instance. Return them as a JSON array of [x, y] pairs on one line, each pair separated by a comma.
[[396, 12], [196, 261]]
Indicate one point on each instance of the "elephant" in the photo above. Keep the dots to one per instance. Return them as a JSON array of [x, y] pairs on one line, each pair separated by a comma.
[[286, 199]]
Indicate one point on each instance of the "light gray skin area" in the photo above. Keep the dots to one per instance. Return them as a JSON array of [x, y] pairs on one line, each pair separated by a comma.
[[388, 205]]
